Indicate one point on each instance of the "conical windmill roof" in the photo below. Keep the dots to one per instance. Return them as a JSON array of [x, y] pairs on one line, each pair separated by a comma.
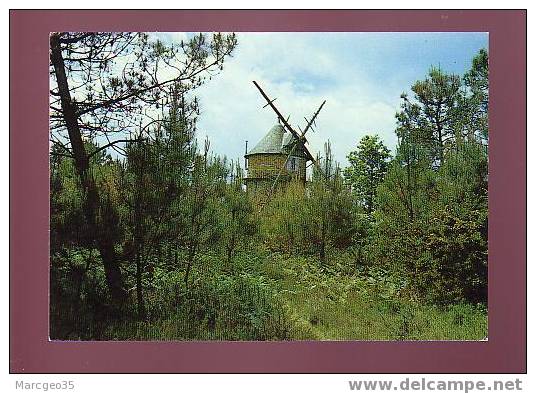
[[271, 143], [287, 140]]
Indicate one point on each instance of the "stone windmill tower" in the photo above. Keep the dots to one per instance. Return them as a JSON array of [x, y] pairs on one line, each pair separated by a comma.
[[281, 155], [272, 157]]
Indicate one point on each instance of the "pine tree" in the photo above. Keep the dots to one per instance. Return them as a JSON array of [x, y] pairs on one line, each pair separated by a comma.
[[368, 165]]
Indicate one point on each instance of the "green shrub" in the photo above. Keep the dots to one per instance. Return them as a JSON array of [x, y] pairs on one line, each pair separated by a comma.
[[219, 307]]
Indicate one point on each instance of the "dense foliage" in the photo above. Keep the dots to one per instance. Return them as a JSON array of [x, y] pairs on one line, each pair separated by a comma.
[[392, 247]]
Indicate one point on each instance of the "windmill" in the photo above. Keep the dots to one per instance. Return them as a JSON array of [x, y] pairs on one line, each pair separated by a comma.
[[297, 139]]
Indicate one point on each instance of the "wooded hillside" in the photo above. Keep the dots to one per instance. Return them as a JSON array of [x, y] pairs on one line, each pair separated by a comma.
[[153, 236]]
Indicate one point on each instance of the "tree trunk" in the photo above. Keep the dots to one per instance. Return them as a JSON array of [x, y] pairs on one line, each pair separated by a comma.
[[409, 187], [370, 204], [139, 288], [230, 249], [191, 255], [323, 244], [231, 244], [81, 161], [439, 129]]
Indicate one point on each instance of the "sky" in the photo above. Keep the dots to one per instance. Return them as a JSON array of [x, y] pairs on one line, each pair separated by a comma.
[[360, 75]]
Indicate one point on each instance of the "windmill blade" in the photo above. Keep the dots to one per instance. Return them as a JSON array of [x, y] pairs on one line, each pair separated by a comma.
[[308, 153], [307, 122], [274, 108], [301, 138], [269, 103], [307, 128], [313, 119]]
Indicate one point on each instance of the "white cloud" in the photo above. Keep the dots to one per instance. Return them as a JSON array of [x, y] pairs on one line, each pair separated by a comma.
[[293, 68], [360, 75]]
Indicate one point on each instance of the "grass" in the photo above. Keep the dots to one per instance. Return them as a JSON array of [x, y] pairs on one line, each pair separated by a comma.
[[332, 306], [273, 296]]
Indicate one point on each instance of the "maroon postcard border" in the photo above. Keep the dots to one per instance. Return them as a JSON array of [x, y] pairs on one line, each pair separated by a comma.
[[32, 352]]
